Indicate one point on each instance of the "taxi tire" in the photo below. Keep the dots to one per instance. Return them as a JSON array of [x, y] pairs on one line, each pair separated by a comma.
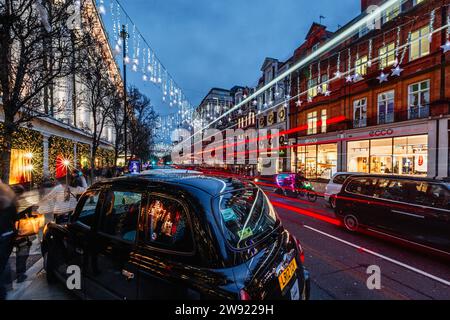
[[351, 222]]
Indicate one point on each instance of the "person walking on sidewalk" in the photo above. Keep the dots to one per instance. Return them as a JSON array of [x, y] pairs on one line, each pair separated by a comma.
[[8, 218]]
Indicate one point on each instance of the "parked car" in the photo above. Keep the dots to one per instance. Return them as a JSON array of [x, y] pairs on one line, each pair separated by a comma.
[[413, 209], [177, 237], [334, 186]]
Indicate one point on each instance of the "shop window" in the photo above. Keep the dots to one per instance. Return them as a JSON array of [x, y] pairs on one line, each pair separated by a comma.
[[311, 161], [420, 46], [381, 156], [419, 100], [312, 122], [386, 55], [386, 107], [323, 120], [121, 214], [360, 113], [167, 225], [358, 156], [416, 2], [21, 167], [361, 65], [326, 160], [411, 155]]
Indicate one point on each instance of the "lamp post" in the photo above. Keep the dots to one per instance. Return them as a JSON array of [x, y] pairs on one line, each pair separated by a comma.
[[124, 36]]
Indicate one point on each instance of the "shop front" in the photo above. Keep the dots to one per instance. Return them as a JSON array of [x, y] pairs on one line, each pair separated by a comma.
[[316, 158], [402, 151]]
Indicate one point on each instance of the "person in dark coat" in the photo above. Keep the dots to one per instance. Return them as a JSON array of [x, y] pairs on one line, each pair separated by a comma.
[[8, 218]]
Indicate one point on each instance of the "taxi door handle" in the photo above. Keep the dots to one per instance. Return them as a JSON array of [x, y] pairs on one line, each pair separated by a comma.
[[127, 274]]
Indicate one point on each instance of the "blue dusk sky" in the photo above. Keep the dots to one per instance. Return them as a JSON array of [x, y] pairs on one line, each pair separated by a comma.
[[222, 43]]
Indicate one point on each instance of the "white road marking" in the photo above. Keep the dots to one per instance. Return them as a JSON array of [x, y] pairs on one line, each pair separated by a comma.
[[421, 272]]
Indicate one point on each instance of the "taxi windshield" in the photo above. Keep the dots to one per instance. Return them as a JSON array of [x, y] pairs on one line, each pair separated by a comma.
[[245, 217]]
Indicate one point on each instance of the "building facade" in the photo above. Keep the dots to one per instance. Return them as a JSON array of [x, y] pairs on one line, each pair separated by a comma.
[[48, 146], [390, 113]]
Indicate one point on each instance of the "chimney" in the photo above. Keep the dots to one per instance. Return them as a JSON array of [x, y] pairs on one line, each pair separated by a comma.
[[367, 3]]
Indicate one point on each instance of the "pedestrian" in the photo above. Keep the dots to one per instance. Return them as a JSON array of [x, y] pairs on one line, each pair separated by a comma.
[[8, 218]]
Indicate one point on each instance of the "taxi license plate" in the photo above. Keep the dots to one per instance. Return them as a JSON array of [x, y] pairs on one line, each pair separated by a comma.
[[287, 274]]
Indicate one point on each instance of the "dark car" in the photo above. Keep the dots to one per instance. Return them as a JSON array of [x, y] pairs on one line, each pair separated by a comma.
[[410, 208], [176, 237]]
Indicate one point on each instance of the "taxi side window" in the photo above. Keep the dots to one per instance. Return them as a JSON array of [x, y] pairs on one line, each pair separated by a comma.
[[167, 225], [87, 205], [120, 214]]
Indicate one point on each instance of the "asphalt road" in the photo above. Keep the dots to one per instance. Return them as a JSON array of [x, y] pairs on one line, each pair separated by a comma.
[[336, 259]]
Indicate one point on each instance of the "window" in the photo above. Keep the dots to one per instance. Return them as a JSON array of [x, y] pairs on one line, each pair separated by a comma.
[[315, 47], [340, 178], [386, 107], [400, 155], [245, 217], [361, 66], [416, 2], [167, 225], [381, 156], [362, 186], [386, 55], [323, 120], [312, 88], [88, 205], [358, 156], [411, 155], [121, 214], [312, 122], [391, 190], [360, 113], [419, 100], [420, 46], [324, 83], [391, 13], [317, 161]]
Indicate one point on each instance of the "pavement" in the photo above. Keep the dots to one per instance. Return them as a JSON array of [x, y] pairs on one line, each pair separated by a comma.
[[337, 260]]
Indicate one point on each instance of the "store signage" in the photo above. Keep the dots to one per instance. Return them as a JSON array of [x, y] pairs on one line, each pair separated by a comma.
[[381, 132], [314, 140]]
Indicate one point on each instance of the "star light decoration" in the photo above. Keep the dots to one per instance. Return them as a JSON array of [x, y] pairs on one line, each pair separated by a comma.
[[349, 78], [299, 103], [338, 75], [383, 77], [397, 71], [327, 93], [446, 46], [357, 77]]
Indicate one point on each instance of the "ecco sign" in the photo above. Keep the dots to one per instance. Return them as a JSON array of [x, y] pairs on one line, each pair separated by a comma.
[[382, 132]]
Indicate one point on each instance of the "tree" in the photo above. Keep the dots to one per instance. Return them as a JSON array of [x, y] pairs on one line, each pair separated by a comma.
[[37, 40], [116, 120], [100, 90], [143, 124]]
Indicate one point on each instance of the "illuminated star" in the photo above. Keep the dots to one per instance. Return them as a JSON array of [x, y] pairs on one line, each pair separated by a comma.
[[349, 78], [397, 71], [446, 46], [310, 99], [299, 103], [327, 93], [383, 77], [338, 74], [357, 77], [255, 102]]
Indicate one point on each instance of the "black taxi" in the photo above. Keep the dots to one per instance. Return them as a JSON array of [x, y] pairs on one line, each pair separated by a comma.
[[176, 237]]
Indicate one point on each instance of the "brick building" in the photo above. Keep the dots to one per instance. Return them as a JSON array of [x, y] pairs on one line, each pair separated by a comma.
[[363, 121]]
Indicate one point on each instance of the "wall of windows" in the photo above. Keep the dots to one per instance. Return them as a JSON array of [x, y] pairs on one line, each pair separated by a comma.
[[400, 155], [317, 161]]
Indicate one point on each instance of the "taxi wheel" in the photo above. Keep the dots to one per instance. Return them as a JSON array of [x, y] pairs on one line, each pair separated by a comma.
[[351, 222]]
